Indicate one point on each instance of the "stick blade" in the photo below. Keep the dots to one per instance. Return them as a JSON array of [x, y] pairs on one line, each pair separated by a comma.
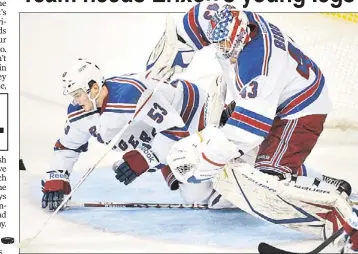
[[265, 248]]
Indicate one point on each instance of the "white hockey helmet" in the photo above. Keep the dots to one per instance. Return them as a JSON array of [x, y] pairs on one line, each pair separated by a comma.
[[82, 75], [229, 31]]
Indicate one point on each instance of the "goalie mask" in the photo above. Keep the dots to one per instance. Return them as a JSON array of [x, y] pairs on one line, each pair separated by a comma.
[[229, 31], [82, 75]]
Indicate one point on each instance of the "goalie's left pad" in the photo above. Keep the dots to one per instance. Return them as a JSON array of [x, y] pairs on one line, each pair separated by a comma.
[[201, 156], [300, 203], [171, 55]]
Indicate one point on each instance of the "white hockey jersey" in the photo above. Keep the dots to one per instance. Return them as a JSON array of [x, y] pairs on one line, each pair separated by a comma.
[[118, 108], [271, 78]]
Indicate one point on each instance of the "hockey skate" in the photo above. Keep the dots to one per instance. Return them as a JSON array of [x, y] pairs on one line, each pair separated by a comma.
[[341, 185]]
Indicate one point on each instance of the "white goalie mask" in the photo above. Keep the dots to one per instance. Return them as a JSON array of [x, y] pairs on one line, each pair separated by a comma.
[[82, 75]]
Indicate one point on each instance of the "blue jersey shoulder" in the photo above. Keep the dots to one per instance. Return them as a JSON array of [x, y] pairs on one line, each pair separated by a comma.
[[254, 60], [123, 94], [76, 112], [72, 108]]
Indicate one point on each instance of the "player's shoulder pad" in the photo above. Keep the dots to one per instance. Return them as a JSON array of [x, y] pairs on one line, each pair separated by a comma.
[[123, 93], [254, 59], [76, 112]]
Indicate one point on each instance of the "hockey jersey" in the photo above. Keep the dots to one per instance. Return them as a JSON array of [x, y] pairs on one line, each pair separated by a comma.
[[119, 106], [271, 78]]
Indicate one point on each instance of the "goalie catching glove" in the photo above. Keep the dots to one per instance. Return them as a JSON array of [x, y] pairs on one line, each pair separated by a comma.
[[134, 164], [54, 187], [201, 156]]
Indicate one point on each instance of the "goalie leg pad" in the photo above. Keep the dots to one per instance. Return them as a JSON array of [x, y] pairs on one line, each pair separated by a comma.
[[301, 205], [163, 55], [170, 56], [283, 150]]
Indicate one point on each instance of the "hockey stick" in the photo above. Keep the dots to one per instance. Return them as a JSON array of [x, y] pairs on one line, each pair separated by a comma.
[[71, 205], [135, 205], [265, 248]]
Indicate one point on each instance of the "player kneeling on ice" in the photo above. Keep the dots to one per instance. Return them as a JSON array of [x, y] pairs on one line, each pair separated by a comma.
[[102, 107], [281, 105]]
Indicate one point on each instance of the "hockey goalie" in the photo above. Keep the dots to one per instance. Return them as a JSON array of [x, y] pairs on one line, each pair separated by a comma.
[[281, 103]]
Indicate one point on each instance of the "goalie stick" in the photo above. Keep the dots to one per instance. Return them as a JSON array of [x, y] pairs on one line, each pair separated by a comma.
[[135, 205], [142, 205], [265, 248]]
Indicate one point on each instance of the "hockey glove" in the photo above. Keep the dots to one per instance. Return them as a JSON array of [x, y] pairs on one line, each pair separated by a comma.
[[351, 233], [134, 164], [54, 187]]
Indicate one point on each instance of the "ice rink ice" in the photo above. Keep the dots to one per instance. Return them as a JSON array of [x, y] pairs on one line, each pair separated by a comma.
[[121, 43]]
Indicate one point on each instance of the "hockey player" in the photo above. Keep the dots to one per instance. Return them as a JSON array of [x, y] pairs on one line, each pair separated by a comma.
[[100, 109], [281, 106]]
